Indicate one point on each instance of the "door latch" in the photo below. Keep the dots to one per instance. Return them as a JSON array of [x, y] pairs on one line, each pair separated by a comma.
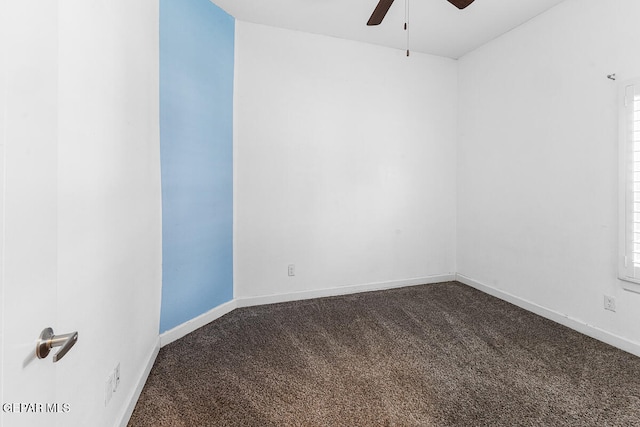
[[48, 340]]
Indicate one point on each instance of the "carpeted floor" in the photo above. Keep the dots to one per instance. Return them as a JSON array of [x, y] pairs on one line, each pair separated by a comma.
[[433, 355]]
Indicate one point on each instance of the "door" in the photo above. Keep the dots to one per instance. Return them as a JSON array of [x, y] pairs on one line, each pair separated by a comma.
[[28, 211], [80, 215]]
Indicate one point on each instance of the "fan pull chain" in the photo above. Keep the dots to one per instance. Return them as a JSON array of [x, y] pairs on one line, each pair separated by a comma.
[[406, 22]]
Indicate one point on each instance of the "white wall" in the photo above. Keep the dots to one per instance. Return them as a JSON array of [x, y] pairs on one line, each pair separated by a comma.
[[537, 163], [344, 163]]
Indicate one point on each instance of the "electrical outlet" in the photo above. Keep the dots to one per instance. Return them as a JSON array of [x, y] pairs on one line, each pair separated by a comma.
[[111, 385], [116, 377], [292, 270], [108, 389], [609, 303]]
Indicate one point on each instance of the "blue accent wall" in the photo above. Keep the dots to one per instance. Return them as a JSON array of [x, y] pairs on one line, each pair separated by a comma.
[[196, 146]]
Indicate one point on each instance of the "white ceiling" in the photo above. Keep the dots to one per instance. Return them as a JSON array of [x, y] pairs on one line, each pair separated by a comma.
[[436, 26]]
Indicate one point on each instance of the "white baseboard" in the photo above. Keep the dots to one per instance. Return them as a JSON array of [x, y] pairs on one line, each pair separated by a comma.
[[342, 290], [563, 319], [135, 394], [195, 323]]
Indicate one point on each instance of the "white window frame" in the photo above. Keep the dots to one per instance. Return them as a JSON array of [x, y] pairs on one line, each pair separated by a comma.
[[629, 186]]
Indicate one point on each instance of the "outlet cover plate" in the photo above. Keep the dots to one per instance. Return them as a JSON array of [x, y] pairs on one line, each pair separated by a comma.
[[609, 303]]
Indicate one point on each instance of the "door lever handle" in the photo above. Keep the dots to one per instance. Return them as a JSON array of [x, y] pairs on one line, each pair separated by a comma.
[[48, 340]]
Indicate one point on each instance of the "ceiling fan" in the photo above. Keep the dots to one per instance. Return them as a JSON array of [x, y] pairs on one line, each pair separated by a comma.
[[383, 6]]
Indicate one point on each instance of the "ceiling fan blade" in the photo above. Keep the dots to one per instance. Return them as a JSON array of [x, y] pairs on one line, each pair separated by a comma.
[[380, 11], [460, 4]]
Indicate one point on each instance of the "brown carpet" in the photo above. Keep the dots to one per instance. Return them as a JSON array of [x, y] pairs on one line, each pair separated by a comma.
[[433, 355]]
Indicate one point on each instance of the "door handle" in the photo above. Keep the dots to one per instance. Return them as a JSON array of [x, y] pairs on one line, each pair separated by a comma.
[[48, 340]]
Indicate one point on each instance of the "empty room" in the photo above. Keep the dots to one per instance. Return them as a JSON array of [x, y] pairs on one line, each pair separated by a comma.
[[303, 213]]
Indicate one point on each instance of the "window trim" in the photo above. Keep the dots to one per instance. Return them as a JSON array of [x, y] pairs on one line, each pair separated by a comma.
[[627, 273]]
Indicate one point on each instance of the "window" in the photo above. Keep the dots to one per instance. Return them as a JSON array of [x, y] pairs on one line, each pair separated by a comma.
[[629, 215]]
